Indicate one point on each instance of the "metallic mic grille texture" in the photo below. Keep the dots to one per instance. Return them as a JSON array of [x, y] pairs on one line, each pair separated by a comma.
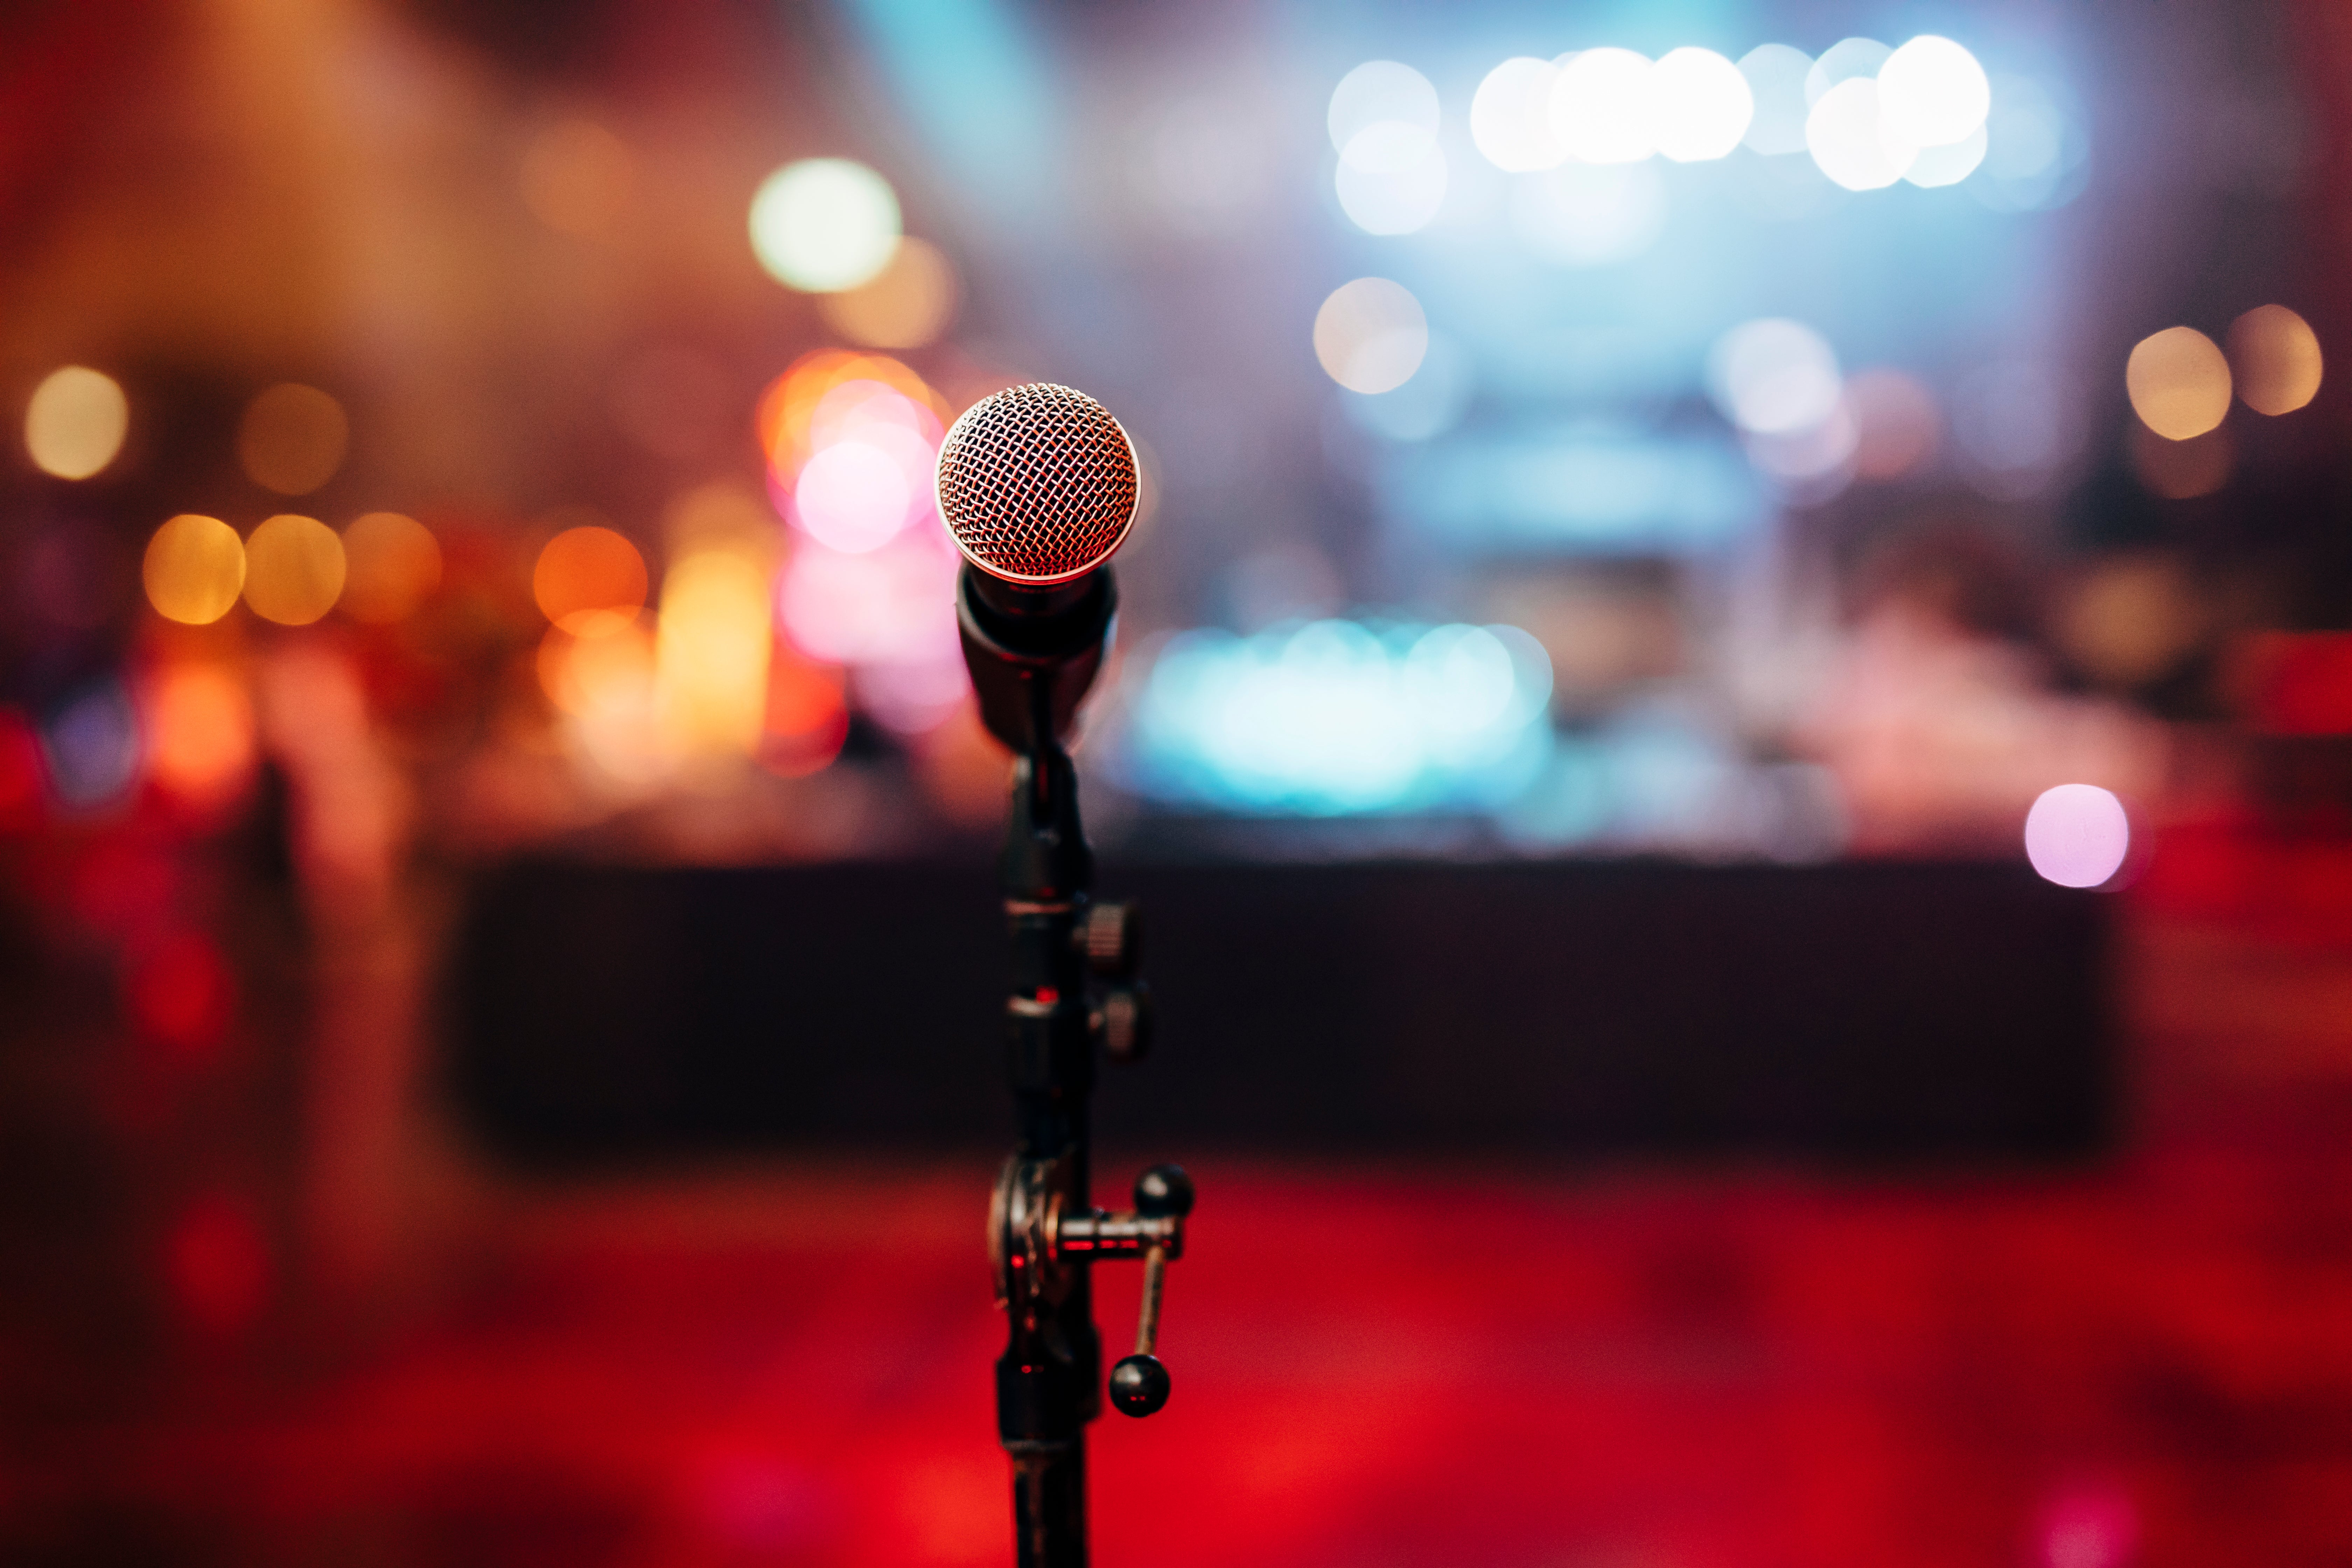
[[1037, 483]]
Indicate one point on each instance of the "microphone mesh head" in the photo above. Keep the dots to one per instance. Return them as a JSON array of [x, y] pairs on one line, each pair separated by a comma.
[[1037, 483]]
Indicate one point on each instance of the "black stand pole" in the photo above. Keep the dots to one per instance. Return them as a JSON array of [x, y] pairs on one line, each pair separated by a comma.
[[1047, 1379], [1032, 654]]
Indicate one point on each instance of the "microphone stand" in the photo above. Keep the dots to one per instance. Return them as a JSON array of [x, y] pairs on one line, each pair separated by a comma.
[[1033, 654]]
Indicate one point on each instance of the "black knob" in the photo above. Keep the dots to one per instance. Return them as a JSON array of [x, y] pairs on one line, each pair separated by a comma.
[[1112, 935], [1139, 1384], [1124, 1022], [1162, 1191]]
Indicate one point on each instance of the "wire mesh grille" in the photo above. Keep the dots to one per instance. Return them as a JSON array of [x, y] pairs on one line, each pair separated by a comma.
[[1037, 483]]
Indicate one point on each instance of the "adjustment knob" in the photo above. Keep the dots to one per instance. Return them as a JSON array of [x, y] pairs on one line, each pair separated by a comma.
[[1123, 1022], [1138, 1385], [1112, 935], [1163, 1191]]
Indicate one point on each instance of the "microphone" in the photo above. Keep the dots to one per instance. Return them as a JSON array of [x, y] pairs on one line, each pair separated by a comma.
[[1037, 485]]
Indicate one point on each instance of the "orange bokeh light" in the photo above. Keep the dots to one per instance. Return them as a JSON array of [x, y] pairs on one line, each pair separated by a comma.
[[589, 579], [790, 404], [200, 733], [807, 715]]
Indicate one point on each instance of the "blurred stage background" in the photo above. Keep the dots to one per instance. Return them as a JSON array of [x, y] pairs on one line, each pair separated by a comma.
[[1644, 503]]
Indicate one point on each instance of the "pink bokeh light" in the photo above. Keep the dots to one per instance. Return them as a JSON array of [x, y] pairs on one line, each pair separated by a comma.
[[2077, 835]]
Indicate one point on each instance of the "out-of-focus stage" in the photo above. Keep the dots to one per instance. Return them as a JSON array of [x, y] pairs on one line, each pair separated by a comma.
[[1422, 1366]]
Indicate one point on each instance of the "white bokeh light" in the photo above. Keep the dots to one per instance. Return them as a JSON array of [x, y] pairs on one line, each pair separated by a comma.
[[1774, 377], [1933, 92], [1849, 139], [1381, 91], [2077, 835], [1371, 335], [824, 224], [1510, 117], [1775, 75], [1381, 196], [1844, 61], [1939, 166], [1588, 214], [1700, 105], [1600, 107]]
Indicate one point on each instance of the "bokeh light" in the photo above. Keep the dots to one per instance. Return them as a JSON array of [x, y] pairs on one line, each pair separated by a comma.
[[90, 746], [787, 410], [807, 716], [2035, 151], [852, 494], [2178, 382], [1336, 717], [194, 569], [2274, 359], [292, 439], [1371, 335], [824, 223], [392, 564], [1700, 105], [577, 178], [200, 732], [1590, 214], [1774, 377], [180, 992], [868, 474], [1391, 176], [1383, 97], [1386, 196], [1601, 106], [610, 673], [1849, 141], [1510, 117], [1897, 423], [1848, 60], [74, 424], [294, 570], [1775, 75], [1936, 167], [589, 581], [712, 651], [891, 605], [2077, 835], [1933, 92], [903, 306]]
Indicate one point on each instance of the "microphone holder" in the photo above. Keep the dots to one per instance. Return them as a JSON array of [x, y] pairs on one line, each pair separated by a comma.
[[1033, 654]]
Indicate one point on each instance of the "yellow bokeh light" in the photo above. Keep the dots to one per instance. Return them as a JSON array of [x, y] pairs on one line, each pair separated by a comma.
[[577, 178], [76, 422], [2179, 382], [294, 570], [194, 569], [2275, 355], [607, 674], [293, 439], [394, 564], [903, 306], [711, 654], [589, 580]]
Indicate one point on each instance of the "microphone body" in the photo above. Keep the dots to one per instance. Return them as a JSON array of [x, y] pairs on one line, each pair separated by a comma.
[[1038, 487]]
